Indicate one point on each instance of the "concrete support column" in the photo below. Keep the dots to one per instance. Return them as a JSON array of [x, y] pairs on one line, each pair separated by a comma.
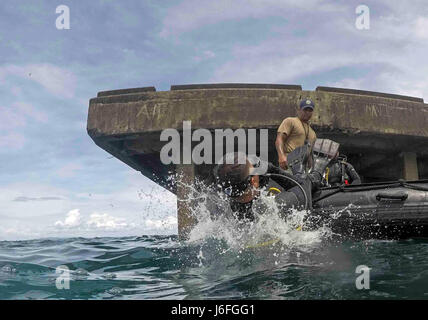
[[410, 166], [185, 183]]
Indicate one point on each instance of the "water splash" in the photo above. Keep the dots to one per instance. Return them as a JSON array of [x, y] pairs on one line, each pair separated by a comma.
[[215, 220]]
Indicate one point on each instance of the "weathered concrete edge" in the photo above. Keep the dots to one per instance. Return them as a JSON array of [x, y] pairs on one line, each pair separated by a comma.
[[125, 91], [369, 93], [160, 110], [235, 86]]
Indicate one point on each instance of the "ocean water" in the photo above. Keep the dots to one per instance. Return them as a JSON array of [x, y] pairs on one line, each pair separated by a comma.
[[302, 265]]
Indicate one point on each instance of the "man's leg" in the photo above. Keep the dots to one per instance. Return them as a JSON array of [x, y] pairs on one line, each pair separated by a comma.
[[309, 181]]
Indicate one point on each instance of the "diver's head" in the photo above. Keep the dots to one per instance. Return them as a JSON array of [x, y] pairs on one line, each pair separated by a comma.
[[234, 178]]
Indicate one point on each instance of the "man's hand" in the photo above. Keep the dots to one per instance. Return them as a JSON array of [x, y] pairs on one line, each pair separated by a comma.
[[283, 162]]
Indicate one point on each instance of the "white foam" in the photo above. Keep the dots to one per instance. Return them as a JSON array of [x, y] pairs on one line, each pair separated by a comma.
[[268, 226]]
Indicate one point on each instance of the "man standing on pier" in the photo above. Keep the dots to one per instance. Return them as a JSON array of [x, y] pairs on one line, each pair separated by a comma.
[[295, 132]]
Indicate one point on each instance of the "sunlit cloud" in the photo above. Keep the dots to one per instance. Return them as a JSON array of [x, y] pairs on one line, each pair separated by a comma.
[[72, 220], [105, 221]]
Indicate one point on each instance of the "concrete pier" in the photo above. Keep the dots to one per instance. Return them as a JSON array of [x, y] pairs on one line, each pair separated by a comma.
[[185, 217], [384, 135], [410, 166]]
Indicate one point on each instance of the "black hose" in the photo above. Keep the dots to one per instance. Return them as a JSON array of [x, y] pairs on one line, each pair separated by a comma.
[[295, 182]]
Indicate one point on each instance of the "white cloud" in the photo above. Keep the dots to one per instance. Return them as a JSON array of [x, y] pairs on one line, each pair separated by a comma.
[[72, 220], [105, 221], [74, 224], [122, 212], [193, 14], [95, 222], [287, 61], [392, 53], [58, 81], [421, 28]]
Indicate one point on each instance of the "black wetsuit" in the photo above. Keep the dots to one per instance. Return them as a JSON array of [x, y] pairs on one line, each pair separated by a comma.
[[290, 195], [341, 172]]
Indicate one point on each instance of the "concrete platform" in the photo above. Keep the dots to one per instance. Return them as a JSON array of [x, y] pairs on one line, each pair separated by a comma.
[[384, 135]]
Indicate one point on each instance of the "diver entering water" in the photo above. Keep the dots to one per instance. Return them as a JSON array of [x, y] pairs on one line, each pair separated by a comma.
[[243, 188]]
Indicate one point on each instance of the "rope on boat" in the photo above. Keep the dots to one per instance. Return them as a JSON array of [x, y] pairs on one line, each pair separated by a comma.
[[394, 184]]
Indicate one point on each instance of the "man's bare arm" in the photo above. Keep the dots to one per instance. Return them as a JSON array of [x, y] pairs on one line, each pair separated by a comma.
[[279, 144]]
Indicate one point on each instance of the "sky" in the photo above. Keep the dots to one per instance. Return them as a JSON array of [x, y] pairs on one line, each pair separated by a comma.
[[54, 180]]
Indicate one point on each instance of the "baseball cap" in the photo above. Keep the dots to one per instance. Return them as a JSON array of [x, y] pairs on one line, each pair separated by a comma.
[[307, 103]]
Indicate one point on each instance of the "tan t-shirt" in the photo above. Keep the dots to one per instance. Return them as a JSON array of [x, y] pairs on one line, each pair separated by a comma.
[[296, 132]]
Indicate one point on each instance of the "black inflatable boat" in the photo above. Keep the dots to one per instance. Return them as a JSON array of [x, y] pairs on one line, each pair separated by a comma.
[[397, 209]]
